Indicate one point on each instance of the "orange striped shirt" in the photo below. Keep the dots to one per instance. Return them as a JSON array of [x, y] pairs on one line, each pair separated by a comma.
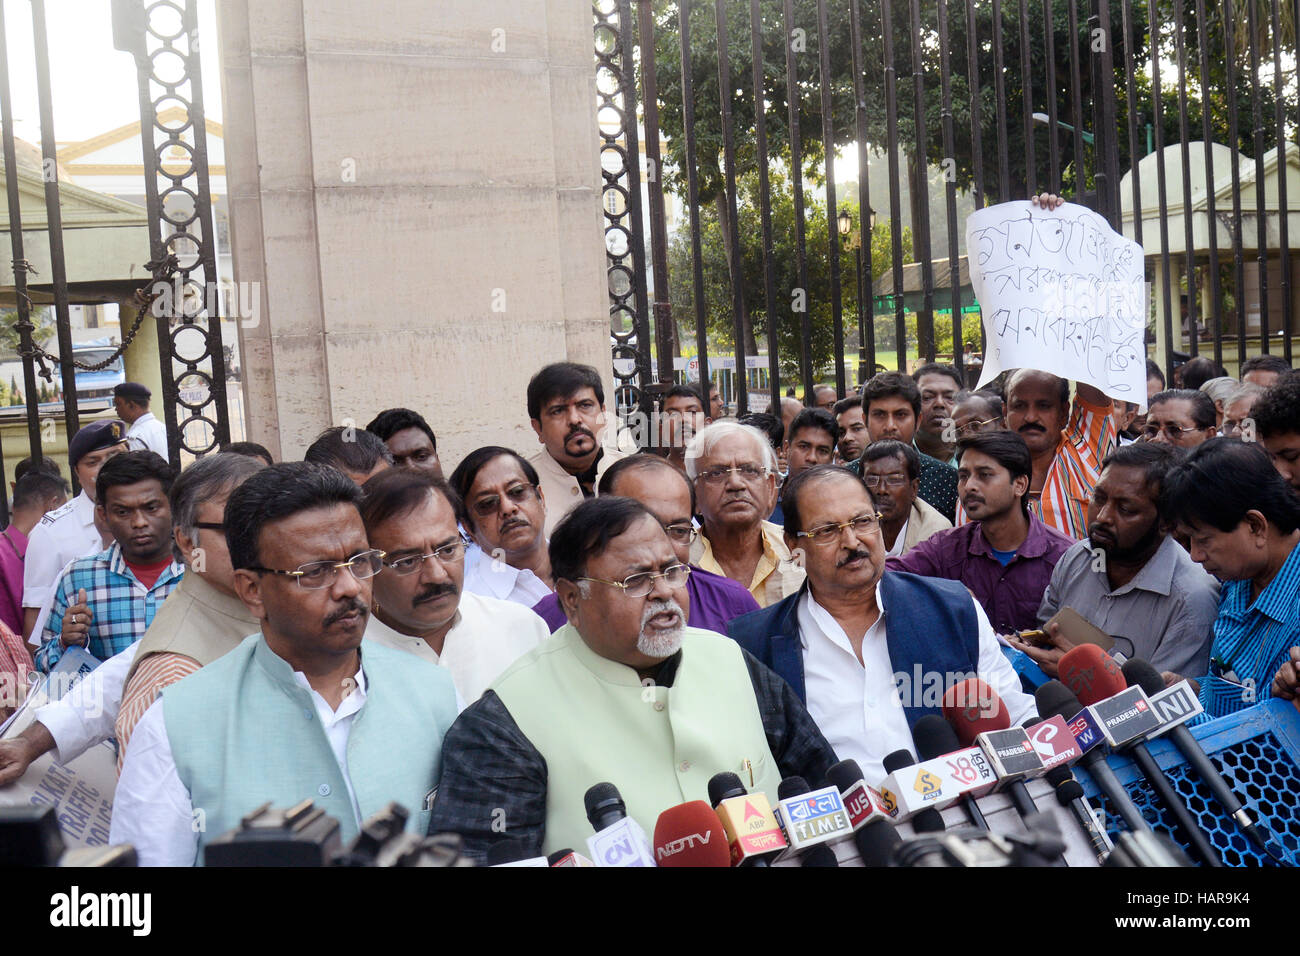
[[1067, 488], [154, 673]]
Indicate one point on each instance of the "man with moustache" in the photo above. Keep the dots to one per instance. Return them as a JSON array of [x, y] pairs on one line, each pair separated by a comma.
[[505, 513], [938, 385], [892, 471], [300, 710], [710, 600], [734, 472], [625, 693], [1004, 554], [1066, 445], [566, 406], [856, 640], [420, 602], [1180, 417], [1129, 577]]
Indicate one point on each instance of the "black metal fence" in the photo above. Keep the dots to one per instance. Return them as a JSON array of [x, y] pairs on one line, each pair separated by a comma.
[[162, 36], [987, 94]]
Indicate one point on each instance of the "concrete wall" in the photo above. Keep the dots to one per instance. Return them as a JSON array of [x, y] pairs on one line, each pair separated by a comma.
[[415, 186]]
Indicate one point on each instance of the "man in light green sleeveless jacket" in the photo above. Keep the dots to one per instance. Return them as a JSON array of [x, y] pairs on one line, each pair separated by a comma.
[[297, 711], [624, 693]]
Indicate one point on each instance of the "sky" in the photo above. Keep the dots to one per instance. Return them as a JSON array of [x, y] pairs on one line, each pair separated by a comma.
[[93, 85]]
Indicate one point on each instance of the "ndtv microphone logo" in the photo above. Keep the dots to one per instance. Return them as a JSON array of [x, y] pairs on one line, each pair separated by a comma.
[[690, 841]]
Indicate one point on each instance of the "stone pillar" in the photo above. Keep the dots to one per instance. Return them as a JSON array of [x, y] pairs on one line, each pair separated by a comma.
[[415, 188]]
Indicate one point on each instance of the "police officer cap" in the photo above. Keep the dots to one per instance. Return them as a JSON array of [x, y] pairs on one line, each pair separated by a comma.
[[132, 391], [101, 434]]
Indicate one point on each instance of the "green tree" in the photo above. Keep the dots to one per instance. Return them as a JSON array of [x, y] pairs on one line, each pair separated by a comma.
[[718, 310], [42, 332]]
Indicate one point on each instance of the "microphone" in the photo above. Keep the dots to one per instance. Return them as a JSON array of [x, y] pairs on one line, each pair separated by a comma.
[[619, 840], [934, 737], [1055, 699], [567, 857], [1115, 702], [1175, 705], [811, 819], [979, 716], [928, 819], [873, 833], [690, 834], [1069, 794], [751, 829]]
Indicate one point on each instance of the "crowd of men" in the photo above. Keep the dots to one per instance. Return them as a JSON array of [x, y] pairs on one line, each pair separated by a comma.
[[355, 628]]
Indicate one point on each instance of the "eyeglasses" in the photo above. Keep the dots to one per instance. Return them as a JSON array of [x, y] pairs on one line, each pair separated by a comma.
[[488, 504], [321, 574], [888, 481], [447, 554], [971, 428], [826, 534], [1173, 432], [641, 584], [748, 473], [681, 533]]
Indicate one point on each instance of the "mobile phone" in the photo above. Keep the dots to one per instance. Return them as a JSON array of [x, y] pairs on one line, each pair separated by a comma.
[[1076, 629]]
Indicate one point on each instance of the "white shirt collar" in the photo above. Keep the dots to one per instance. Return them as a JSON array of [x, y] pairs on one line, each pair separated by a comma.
[[350, 704]]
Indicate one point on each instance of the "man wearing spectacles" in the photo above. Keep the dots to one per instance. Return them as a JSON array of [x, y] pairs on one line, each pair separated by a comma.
[[734, 471], [277, 718], [710, 600], [624, 693], [1181, 417], [869, 651], [421, 605], [505, 512], [891, 470]]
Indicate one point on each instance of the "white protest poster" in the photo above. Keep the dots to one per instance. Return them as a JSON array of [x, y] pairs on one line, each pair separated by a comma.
[[80, 792], [1061, 292]]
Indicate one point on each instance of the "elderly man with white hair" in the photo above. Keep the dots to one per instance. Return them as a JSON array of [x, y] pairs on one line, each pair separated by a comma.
[[734, 469]]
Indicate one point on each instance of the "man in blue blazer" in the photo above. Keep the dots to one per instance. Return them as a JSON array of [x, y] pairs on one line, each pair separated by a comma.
[[869, 652]]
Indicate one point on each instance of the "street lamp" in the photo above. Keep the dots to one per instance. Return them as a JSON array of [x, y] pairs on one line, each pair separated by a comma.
[[1047, 121]]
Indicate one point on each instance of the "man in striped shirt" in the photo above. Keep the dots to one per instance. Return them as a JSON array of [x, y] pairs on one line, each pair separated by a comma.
[[1067, 445], [1243, 522]]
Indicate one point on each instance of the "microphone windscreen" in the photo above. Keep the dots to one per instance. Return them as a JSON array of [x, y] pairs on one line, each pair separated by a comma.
[[973, 701], [820, 855], [928, 820], [1054, 699], [507, 851], [791, 787], [557, 856], [1091, 673], [600, 799], [844, 774], [877, 842], [934, 737], [1141, 674], [724, 785], [973, 707], [690, 834], [898, 760]]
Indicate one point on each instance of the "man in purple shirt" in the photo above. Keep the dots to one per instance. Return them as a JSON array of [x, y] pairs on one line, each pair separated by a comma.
[[1005, 555], [670, 497], [38, 490]]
